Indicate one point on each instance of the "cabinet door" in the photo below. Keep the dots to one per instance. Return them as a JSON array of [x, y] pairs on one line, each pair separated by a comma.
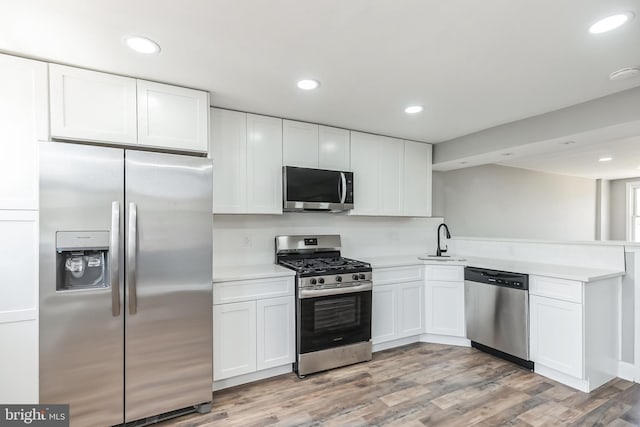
[[334, 149], [300, 144], [229, 152], [172, 117], [391, 176], [383, 314], [444, 308], [19, 362], [18, 261], [417, 179], [556, 334], [264, 164], [410, 308], [234, 339], [275, 332], [365, 167], [91, 106], [23, 121]]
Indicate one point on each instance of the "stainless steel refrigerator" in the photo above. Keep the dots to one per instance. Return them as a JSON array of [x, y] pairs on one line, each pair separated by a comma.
[[125, 282]]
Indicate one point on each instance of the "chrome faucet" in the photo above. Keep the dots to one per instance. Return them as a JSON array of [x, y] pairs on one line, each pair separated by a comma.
[[439, 251]]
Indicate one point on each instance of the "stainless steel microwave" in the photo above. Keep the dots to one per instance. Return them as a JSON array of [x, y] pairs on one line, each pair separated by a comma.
[[307, 189]]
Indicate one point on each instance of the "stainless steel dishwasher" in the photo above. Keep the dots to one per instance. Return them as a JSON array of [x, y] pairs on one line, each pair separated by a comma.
[[497, 313]]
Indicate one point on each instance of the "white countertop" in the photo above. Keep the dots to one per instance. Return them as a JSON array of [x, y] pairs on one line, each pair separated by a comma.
[[249, 272], [568, 272], [405, 260]]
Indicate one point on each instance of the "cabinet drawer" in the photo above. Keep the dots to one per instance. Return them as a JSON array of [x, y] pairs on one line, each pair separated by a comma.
[[446, 273], [566, 290], [246, 290], [384, 276]]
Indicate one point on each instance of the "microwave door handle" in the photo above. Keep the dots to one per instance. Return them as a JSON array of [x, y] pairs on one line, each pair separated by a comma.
[[343, 186]]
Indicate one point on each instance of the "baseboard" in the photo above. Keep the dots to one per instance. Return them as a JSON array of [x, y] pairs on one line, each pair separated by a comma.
[[251, 377], [568, 380], [395, 343], [445, 339], [626, 371]]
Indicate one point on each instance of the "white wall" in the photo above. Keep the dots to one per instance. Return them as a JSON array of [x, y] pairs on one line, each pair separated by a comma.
[[618, 206], [500, 201], [249, 239]]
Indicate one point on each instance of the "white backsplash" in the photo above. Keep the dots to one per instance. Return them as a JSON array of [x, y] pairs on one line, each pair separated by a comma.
[[249, 239]]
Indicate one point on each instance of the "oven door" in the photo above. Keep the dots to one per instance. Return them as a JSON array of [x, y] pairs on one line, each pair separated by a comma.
[[333, 320]]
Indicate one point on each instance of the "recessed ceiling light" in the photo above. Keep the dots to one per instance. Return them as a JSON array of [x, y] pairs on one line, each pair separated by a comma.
[[308, 84], [142, 44], [605, 159], [625, 73], [610, 22], [413, 109]]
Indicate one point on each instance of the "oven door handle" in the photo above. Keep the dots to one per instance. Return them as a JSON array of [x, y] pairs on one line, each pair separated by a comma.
[[312, 293]]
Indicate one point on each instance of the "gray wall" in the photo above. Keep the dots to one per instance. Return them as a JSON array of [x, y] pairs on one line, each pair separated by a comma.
[[618, 208], [501, 201]]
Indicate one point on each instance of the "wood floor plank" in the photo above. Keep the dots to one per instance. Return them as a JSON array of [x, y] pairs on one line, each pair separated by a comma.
[[420, 385]]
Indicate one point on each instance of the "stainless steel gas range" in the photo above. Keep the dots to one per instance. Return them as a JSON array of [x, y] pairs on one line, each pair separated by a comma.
[[333, 303]]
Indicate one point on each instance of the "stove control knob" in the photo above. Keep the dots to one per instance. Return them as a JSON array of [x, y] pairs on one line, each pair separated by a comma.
[[354, 277], [361, 276], [321, 280], [338, 278], [313, 281]]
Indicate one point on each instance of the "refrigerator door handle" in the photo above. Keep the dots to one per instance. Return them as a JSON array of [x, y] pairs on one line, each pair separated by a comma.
[[131, 258], [114, 265]]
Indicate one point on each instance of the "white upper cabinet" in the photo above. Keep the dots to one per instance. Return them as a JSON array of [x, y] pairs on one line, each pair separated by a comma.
[[334, 149], [92, 106], [99, 107], [229, 153], [172, 117], [23, 121], [312, 146], [247, 163], [417, 179], [365, 154], [299, 144], [264, 164], [392, 177]]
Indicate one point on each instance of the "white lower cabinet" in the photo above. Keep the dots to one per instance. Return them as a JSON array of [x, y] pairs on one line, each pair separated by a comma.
[[255, 333], [445, 308], [19, 362], [444, 300], [556, 334], [275, 336], [234, 339], [398, 304], [384, 318], [574, 330]]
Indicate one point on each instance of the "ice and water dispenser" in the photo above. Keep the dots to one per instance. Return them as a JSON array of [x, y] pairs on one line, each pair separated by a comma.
[[81, 260]]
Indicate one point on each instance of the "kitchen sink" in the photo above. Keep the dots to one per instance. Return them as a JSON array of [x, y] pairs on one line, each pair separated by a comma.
[[441, 258]]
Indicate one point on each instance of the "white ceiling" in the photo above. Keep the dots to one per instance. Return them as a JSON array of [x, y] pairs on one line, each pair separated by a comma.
[[582, 159], [472, 64]]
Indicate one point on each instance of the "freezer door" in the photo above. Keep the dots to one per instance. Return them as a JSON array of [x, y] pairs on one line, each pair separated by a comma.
[[168, 309], [81, 321]]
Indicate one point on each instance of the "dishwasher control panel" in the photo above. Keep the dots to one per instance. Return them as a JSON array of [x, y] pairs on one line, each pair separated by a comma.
[[496, 277]]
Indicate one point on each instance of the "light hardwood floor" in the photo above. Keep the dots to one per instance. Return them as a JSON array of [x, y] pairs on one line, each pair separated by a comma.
[[421, 385]]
